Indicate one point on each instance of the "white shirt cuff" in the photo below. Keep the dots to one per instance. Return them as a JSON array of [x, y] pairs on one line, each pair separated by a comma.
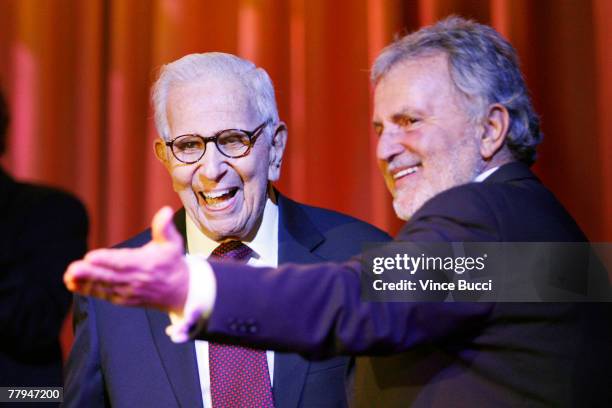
[[200, 300]]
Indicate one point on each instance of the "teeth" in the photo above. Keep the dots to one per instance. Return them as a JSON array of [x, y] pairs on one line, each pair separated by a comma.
[[218, 199], [404, 172], [216, 194]]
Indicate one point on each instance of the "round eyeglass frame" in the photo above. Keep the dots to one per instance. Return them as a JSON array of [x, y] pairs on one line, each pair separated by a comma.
[[252, 135]]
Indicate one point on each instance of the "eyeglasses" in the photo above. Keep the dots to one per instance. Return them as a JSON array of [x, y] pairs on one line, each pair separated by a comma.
[[232, 143]]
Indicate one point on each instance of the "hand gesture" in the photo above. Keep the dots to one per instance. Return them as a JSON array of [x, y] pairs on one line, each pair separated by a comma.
[[154, 275]]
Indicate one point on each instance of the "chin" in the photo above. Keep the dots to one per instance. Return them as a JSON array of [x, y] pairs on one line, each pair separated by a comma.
[[403, 212], [221, 233], [406, 204]]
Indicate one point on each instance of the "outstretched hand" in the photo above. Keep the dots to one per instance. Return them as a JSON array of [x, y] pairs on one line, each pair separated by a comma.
[[154, 275]]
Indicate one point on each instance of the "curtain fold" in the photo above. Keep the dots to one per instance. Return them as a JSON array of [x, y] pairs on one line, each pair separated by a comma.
[[77, 76]]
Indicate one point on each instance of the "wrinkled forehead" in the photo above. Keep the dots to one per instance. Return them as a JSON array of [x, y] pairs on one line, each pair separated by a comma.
[[431, 66], [221, 103], [416, 82]]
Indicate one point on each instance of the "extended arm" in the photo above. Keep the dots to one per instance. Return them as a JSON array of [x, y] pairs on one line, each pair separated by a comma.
[[317, 311]]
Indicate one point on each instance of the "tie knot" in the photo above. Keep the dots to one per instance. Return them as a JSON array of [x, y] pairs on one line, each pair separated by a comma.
[[232, 250]]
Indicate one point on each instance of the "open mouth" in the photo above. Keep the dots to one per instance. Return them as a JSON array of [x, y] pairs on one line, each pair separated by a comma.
[[407, 171], [218, 199]]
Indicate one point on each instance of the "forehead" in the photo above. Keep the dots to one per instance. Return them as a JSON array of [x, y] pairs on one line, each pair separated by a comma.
[[208, 105], [419, 83]]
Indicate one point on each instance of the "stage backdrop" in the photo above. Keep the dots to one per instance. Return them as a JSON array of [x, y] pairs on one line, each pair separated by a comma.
[[77, 76]]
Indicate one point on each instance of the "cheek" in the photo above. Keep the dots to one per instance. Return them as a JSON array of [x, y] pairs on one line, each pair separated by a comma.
[[181, 178], [433, 146], [439, 151], [254, 174]]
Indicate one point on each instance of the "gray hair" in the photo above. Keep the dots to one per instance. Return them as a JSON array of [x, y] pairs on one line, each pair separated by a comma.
[[219, 66], [484, 68]]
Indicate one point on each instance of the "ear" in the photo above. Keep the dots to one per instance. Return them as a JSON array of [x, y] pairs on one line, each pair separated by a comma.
[[496, 124], [159, 146], [277, 149]]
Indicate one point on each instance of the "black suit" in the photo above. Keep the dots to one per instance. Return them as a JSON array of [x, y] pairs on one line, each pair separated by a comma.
[[123, 357], [43, 230], [443, 354]]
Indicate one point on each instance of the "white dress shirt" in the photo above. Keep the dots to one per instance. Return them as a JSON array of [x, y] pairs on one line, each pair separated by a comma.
[[265, 248]]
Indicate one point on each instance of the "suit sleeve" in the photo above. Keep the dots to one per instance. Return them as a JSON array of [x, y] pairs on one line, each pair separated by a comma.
[[317, 310], [84, 383], [34, 301]]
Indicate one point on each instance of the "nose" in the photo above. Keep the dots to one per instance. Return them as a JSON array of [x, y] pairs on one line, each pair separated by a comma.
[[388, 146], [213, 164]]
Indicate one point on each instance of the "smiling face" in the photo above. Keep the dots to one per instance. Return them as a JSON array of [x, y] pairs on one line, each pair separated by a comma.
[[225, 197], [427, 143]]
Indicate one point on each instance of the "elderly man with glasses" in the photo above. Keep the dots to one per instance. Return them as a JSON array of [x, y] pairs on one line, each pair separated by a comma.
[[222, 143]]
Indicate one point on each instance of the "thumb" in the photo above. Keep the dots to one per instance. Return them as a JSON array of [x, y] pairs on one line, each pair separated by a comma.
[[163, 229]]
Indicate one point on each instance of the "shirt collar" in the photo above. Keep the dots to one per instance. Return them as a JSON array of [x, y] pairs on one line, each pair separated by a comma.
[[482, 176]]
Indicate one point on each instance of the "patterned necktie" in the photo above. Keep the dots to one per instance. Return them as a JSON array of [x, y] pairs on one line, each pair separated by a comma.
[[239, 376]]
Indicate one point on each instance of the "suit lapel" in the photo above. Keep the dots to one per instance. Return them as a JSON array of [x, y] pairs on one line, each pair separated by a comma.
[[179, 360], [297, 239]]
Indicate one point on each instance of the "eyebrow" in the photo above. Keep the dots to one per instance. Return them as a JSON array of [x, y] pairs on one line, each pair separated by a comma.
[[395, 117], [406, 111], [402, 112]]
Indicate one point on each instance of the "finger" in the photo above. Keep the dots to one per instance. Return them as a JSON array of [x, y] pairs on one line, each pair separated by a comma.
[[163, 229], [91, 280], [99, 290], [84, 287], [83, 271], [95, 289], [117, 258], [69, 279], [115, 293], [76, 275], [120, 294]]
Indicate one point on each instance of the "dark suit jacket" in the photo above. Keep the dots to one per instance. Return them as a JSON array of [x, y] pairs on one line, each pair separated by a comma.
[[43, 230], [441, 354], [122, 356]]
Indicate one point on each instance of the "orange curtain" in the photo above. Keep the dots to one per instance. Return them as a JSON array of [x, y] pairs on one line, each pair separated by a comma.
[[77, 76]]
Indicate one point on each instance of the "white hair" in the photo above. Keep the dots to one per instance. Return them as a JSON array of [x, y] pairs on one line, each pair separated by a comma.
[[216, 65]]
